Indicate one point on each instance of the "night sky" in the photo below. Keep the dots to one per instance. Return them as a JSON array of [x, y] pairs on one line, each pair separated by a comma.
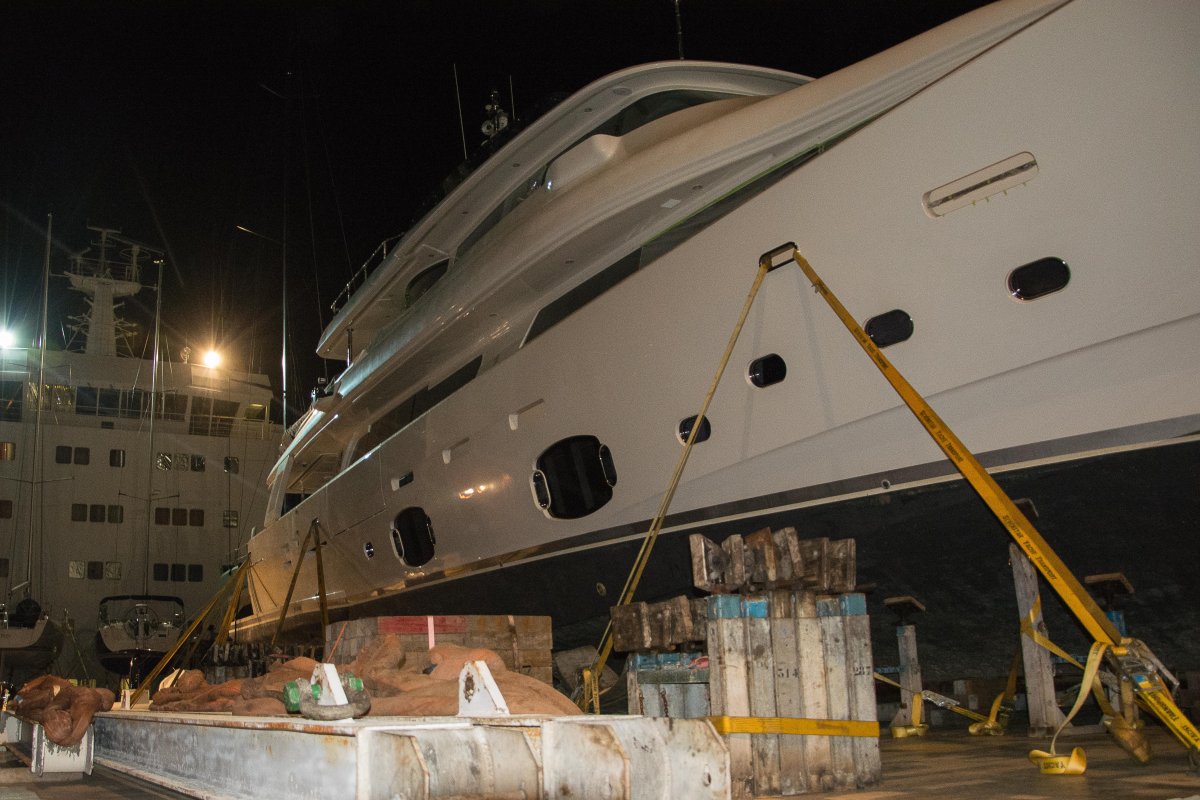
[[176, 121]]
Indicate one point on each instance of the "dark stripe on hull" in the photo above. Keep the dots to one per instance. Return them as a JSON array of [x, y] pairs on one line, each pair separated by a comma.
[[1136, 512]]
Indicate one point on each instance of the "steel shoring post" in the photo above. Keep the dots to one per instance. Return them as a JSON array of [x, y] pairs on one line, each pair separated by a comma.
[[1153, 691]]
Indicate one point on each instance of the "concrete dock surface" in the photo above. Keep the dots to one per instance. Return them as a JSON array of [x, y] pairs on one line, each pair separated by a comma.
[[944, 764]]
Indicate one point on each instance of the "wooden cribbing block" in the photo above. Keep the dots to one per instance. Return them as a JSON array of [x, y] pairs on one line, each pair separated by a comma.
[[837, 686], [761, 678], [766, 560], [814, 702], [729, 689], [792, 773], [860, 671]]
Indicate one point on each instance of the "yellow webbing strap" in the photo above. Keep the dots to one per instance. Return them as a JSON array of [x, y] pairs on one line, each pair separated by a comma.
[[1027, 628], [996, 721], [1042, 556], [1052, 763], [796, 726], [643, 556]]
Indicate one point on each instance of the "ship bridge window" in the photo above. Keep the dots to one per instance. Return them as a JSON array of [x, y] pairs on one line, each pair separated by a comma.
[[256, 412], [889, 328], [573, 477], [12, 393], [211, 417], [412, 537], [1038, 278], [108, 402], [133, 403], [170, 405]]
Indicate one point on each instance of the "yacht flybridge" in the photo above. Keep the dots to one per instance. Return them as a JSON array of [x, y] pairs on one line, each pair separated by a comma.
[[1006, 204]]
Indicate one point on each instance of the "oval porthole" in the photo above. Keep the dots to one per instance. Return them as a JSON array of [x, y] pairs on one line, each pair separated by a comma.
[[369, 550], [573, 477], [685, 429], [412, 537], [1038, 278], [766, 371], [889, 328]]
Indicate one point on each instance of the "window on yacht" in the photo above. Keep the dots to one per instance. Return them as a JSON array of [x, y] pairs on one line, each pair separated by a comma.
[[95, 570], [424, 281], [179, 517], [1038, 278], [62, 454], [179, 572], [12, 393], [256, 412], [197, 462], [164, 461], [161, 572], [196, 517], [767, 371], [8, 451], [86, 398], [6, 508], [231, 518], [96, 512], [412, 537], [685, 430], [231, 465], [116, 458], [3, 567], [574, 477], [116, 514], [79, 512], [82, 456], [889, 328], [195, 573], [162, 515]]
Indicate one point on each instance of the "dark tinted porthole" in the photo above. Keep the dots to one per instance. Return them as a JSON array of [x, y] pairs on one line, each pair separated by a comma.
[[685, 429], [1038, 278], [890, 328], [412, 536], [369, 550], [574, 477], [768, 370]]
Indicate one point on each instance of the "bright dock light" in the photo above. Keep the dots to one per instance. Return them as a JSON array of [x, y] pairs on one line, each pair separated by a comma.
[[212, 359], [7, 338]]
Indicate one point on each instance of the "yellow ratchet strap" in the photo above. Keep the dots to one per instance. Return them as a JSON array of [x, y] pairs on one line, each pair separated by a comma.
[[796, 726], [1027, 537], [1074, 764]]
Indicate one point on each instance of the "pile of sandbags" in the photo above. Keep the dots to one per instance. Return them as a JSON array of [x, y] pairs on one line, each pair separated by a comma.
[[425, 684], [63, 709]]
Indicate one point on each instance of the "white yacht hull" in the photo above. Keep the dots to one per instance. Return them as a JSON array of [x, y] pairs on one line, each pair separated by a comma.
[[1103, 96]]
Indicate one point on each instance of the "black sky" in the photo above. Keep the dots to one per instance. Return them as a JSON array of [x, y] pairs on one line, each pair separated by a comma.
[[175, 121]]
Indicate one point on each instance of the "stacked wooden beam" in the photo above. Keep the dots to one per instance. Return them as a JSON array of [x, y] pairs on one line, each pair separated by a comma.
[[524, 643], [789, 648], [769, 559]]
